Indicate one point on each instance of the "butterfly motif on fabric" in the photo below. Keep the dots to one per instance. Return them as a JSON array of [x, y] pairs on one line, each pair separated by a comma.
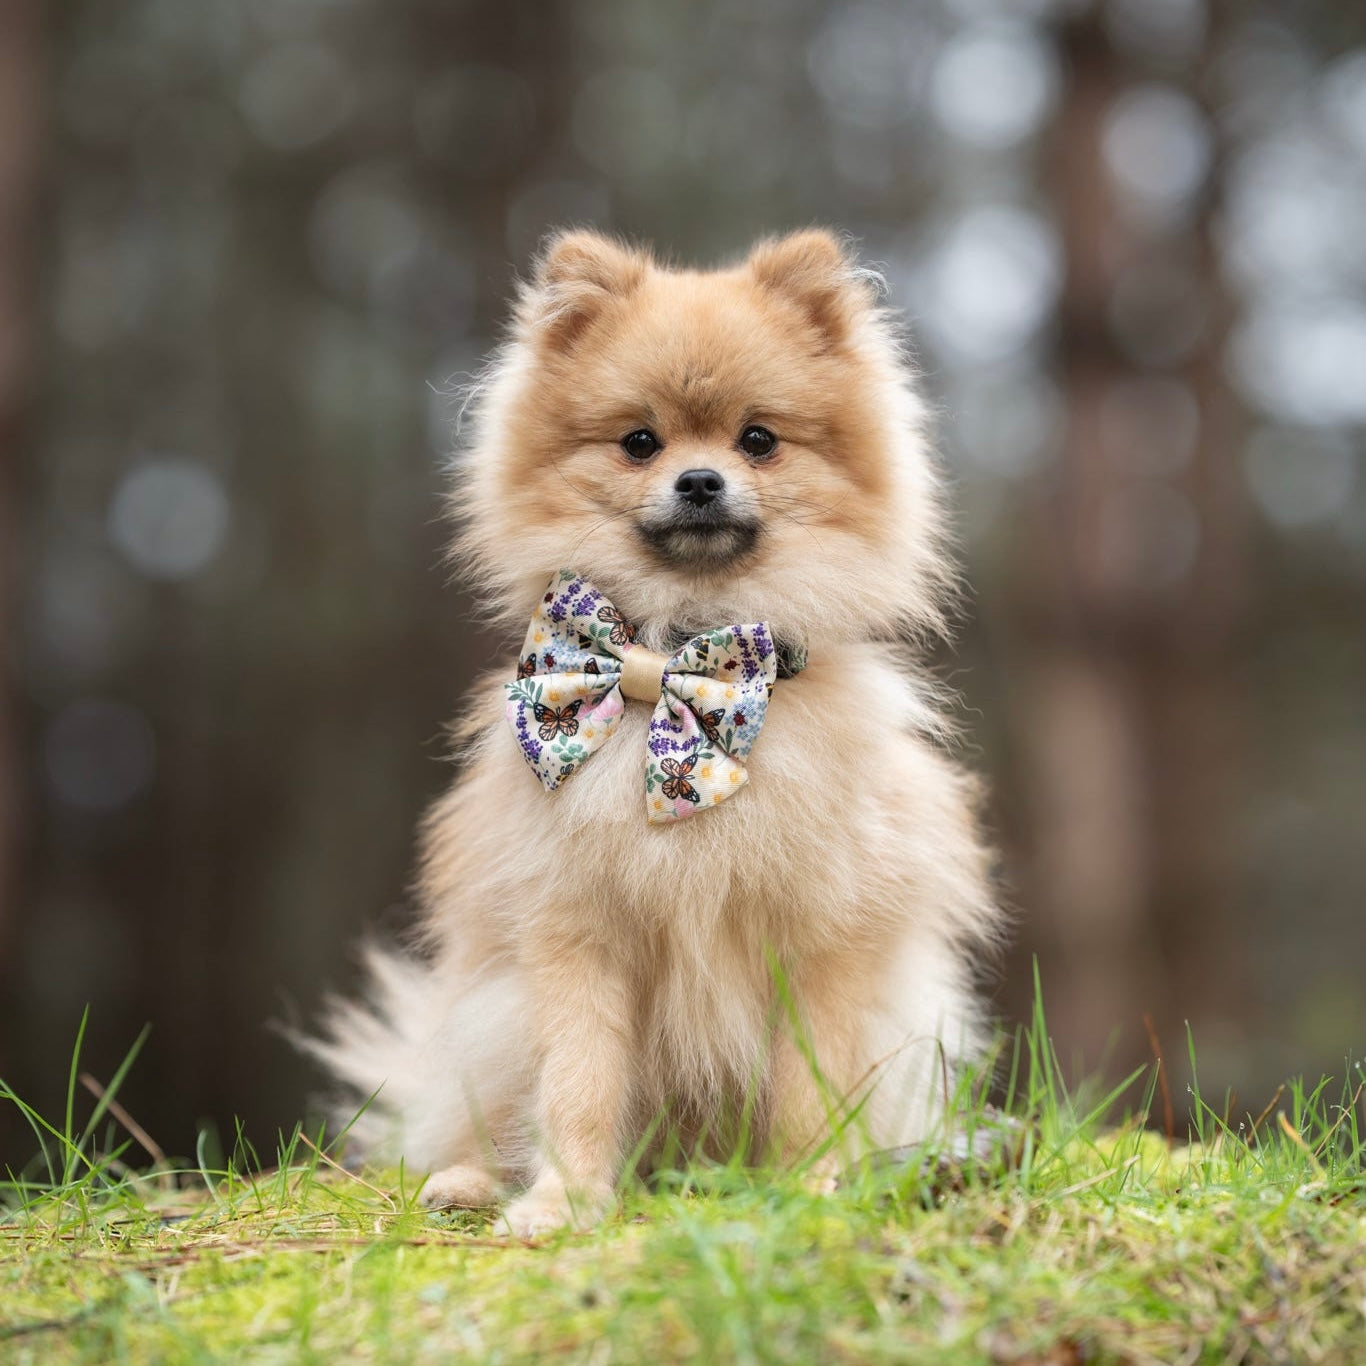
[[676, 786], [526, 667], [622, 632], [558, 721], [711, 724]]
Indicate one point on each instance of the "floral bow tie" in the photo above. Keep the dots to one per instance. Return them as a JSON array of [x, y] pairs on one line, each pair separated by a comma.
[[580, 660]]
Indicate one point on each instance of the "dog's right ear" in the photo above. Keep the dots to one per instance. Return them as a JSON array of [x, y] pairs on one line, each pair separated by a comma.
[[577, 274]]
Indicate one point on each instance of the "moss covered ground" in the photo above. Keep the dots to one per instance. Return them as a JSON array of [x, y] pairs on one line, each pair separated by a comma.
[[1074, 1238]]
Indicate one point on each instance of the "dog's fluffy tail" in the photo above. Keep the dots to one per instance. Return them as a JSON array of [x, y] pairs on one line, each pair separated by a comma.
[[428, 1068]]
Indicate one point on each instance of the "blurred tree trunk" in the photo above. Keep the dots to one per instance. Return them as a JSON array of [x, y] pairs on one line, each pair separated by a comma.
[[19, 56], [1124, 710], [396, 673]]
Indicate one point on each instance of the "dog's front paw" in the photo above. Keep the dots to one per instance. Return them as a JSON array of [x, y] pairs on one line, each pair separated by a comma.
[[548, 1206], [463, 1186], [822, 1176]]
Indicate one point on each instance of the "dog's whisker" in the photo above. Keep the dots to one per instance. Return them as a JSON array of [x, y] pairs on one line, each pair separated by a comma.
[[796, 521], [602, 522]]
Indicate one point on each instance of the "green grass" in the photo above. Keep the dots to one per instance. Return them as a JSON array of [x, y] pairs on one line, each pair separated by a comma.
[[1073, 1238]]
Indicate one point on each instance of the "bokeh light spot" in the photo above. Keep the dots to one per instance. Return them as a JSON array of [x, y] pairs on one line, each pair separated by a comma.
[[362, 227], [169, 517], [1157, 147], [296, 94], [869, 61], [1304, 362], [992, 88], [1292, 219], [1007, 425], [991, 282]]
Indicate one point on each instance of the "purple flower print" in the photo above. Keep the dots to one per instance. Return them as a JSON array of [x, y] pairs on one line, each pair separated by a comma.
[[531, 746]]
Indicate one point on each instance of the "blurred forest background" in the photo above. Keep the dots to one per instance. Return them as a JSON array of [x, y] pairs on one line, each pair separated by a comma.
[[247, 248]]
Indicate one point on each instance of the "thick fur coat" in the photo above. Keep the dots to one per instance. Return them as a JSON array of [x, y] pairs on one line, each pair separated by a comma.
[[585, 978]]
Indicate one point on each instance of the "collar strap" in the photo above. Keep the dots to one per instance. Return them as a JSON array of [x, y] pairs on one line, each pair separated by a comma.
[[791, 658]]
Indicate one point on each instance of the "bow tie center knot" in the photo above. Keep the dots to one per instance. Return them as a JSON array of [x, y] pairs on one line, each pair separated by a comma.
[[642, 674]]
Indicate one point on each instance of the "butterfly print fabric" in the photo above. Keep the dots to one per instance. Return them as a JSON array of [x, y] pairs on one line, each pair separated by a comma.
[[566, 699]]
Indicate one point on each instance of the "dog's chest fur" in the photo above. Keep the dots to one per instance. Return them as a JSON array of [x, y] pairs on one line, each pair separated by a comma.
[[785, 859]]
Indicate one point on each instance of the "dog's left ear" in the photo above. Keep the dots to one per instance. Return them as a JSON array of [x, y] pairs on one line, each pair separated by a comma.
[[816, 270]]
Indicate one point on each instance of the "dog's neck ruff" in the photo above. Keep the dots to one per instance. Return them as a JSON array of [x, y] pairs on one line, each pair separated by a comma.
[[580, 661]]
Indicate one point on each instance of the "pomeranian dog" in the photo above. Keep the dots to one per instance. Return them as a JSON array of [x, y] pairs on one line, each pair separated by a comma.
[[635, 919]]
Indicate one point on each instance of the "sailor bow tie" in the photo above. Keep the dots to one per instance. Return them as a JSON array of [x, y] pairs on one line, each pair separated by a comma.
[[579, 662]]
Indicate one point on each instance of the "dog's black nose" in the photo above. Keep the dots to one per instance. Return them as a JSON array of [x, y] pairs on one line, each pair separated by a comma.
[[699, 487]]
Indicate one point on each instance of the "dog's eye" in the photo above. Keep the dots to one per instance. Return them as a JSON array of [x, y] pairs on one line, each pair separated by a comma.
[[758, 442], [640, 445]]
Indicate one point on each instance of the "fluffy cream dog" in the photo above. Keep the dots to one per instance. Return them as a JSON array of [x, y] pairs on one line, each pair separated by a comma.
[[707, 447]]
